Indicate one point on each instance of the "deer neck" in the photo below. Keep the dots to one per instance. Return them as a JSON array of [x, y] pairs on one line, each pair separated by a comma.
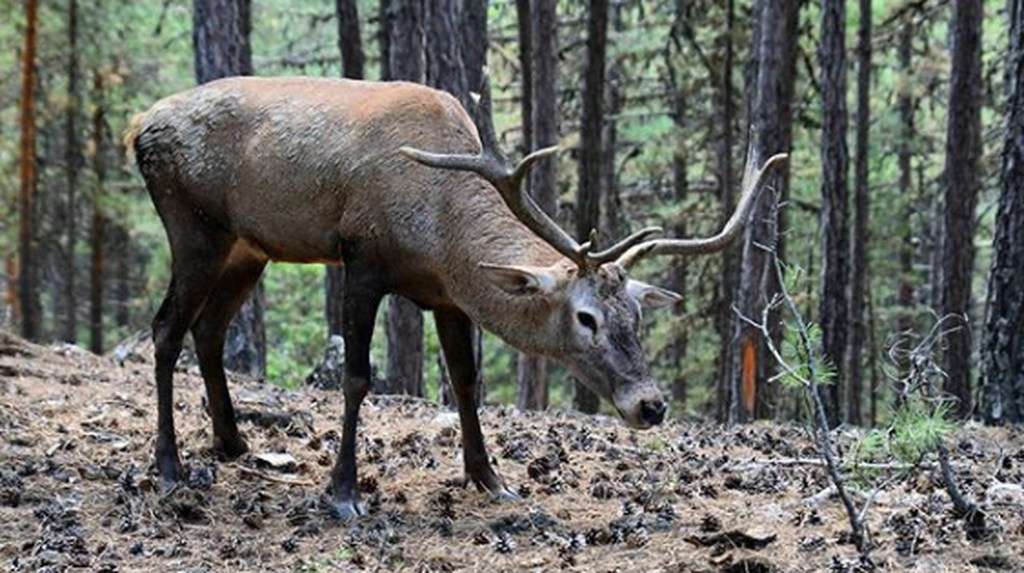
[[492, 234]]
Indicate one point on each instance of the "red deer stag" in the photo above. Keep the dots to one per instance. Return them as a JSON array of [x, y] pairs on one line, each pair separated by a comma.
[[247, 170]]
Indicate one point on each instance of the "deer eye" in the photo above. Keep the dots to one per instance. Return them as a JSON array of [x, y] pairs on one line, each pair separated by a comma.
[[587, 320]]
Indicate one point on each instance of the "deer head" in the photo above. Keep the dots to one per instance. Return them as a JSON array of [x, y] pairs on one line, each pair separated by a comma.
[[591, 309]]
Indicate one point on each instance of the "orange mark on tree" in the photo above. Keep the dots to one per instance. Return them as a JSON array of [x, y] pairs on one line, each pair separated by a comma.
[[749, 389]]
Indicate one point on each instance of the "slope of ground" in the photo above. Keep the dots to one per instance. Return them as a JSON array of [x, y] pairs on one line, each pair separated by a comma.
[[77, 489]]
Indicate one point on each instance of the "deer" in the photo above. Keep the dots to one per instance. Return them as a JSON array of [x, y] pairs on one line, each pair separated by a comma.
[[393, 181]]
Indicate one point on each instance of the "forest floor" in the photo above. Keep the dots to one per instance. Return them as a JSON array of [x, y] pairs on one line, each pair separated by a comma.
[[77, 487]]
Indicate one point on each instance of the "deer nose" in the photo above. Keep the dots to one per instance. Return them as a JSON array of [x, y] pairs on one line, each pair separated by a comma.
[[652, 411]]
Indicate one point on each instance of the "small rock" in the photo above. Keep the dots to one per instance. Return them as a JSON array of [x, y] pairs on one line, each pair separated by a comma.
[[278, 461]]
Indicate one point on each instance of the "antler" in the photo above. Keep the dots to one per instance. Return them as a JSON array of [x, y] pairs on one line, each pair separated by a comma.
[[490, 165], [753, 178]]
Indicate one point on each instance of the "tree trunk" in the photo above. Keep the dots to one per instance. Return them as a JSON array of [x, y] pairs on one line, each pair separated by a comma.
[[220, 37], [963, 150], [72, 165], [97, 235], [770, 133], [350, 43], [730, 256], [905, 104], [404, 372], [859, 242], [405, 21], [680, 273], [611, 222], [1002, 346], [873, 360], [384, 40], [833, 305], [532, 376], [350, 39], [526, 76], [588, 189], [28, 293], [445, 70], [474, 42]]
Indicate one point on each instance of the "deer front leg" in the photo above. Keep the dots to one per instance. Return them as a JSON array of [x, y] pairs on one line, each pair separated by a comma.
[[455, 331], [360, 310]]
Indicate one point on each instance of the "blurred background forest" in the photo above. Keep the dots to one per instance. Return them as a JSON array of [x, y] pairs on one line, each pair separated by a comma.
[[903, 198]]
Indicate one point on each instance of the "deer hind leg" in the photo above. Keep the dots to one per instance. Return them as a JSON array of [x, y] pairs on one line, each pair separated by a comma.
[[456, 333], [362, 299], [198, 256], [236, 282]]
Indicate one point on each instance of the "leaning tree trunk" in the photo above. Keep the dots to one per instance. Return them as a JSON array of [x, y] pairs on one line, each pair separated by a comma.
[[98, 233], [859, 242], [72, 166], [220, 37], [404, 373], [833, 305], [588, 190], [770, 133], [963, 151], [532, 376], [1002, 346], [28, 293], [350, 44]]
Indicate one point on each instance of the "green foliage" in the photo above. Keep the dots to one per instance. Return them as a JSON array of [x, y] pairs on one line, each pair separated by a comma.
[[802, 351], [295, 324], [915, 430], [918, 428]]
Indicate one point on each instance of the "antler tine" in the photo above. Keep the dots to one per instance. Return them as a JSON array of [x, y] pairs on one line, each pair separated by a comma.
[[752, 181], [618, 249]]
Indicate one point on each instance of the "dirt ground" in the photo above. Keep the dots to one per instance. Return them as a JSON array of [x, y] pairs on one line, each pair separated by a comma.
[[78, 491]]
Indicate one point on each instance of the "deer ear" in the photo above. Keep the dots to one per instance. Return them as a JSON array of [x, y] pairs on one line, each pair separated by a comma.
[[520, 280], [650, 296]]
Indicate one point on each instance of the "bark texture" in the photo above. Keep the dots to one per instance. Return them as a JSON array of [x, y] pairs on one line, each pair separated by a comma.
[[905, 105], [98, 230], [1002, 347], [859, 242], [727, 196], [72, 166], [833, 305], [963, 150], [28, 293]]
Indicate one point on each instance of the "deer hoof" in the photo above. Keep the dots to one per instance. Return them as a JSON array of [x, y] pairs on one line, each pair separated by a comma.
[[346, 509], [495, 486], [230, 449]]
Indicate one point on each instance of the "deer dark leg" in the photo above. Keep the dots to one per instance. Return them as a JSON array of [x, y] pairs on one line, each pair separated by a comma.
[[198, 260], [456, 333], [231, 290], [362, 298]]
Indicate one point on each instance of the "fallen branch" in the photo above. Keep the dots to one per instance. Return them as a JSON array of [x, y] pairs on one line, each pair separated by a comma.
[[789, 462]]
